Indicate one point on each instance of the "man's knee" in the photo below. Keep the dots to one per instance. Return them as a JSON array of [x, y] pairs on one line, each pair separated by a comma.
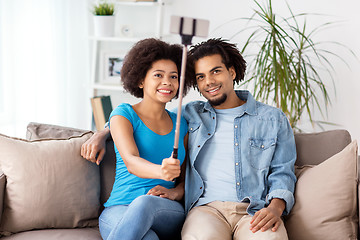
[[205, 223], [243, 231]]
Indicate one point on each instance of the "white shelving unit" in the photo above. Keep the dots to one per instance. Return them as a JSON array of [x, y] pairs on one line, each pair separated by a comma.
[[142, 17], [95, 82]]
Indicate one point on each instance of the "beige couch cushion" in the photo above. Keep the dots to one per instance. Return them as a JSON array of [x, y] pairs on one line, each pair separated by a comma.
[[107, 166], [58, 234], [49, 184], [325, 194]]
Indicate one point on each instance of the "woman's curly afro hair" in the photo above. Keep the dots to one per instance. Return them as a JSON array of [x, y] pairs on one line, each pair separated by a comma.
[[140, 59]]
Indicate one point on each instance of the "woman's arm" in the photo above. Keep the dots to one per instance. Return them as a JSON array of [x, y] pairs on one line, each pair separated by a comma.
[[176, 193], [122, 134]]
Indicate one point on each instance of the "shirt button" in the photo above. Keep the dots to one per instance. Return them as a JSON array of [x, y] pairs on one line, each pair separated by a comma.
[[200, 187], [198, 145], [237, 164], [235, 126], [238, 184], [191, 129], [213, 117], [262, 146], [209, 134], [236, 144]]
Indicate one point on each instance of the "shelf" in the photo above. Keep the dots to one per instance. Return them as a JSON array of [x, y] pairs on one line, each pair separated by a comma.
[[145, 4], [108, 87], [137, 4], [115, 39], [125, 39]]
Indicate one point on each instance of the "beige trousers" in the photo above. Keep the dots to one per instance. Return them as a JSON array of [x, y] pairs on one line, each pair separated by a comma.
[[224, 221]]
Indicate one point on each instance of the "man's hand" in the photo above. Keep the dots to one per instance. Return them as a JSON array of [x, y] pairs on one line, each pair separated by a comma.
[[170, 169], [269, 217], [94, 148], [163, 192]]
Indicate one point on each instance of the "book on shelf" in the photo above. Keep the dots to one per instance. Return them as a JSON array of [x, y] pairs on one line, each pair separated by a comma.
[[101, 106]]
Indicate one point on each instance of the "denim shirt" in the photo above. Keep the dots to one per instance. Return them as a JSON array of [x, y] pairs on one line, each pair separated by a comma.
[[264, 148]]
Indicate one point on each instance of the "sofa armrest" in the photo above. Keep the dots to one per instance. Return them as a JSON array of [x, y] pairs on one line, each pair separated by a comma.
[[2, 191], [36, 131]]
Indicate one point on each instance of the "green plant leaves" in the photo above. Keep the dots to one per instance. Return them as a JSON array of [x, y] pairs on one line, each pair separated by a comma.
[[103, 9], [288, 67]]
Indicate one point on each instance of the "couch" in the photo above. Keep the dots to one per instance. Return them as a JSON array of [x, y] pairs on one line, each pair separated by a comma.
[[47, 191]]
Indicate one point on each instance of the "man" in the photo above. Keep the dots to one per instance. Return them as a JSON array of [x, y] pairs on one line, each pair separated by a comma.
[[240, 174]]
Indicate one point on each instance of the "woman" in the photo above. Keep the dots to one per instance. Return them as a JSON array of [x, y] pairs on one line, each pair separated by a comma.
[[144, 200]]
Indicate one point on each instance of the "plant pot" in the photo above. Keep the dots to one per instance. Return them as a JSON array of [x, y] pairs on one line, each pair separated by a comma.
[[104, 26]]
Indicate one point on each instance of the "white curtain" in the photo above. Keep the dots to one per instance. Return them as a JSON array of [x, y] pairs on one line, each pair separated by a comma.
[[44, 62]]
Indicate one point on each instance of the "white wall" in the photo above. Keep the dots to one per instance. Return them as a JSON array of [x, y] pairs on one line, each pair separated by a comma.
[[345, 109]]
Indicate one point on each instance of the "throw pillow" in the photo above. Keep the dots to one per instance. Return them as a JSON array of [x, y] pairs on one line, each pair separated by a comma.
[[325, 199], [49, 184]]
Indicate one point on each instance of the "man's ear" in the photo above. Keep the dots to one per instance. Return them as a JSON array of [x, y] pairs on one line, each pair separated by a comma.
[[232, 72]]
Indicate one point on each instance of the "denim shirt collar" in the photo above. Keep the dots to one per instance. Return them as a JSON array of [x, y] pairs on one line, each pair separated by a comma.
[[250, 107]]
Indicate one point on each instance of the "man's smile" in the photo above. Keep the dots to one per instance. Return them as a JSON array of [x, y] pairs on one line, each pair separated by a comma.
[[214, 91]]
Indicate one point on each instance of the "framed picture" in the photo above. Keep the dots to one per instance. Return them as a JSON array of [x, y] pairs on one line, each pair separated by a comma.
[[110, 67]]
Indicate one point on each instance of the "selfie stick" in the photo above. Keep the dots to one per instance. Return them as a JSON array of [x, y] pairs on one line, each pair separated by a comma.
[[187, 28], [181, 90]]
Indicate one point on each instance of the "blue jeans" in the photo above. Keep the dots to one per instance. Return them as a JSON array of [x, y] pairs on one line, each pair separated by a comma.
[[146, 218]]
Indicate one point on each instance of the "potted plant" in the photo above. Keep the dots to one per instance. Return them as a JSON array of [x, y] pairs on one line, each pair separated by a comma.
[[286, 65], [104, 19]]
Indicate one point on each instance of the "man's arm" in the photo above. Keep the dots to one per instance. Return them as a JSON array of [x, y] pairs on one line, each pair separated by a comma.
[[94, 148], [281, 181]]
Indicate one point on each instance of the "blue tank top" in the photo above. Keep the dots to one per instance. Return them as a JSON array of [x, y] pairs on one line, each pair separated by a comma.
[[152, 147]]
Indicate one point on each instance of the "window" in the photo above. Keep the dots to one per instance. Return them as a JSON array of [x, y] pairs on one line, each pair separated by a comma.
[[5, 115], [2, 100], [42, 67], [2, 91]]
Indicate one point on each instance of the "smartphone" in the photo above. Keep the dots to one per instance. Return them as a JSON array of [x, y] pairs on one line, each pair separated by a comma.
[[189, 26]]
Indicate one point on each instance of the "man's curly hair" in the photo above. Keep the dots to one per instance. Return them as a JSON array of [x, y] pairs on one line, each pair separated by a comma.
[[140, 58], [231, 57]]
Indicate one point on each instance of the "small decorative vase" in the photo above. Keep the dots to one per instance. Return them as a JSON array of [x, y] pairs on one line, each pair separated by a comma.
[[104, 26]]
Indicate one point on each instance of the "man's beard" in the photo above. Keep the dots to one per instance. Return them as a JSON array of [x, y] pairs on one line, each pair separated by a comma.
[[218, 101]]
